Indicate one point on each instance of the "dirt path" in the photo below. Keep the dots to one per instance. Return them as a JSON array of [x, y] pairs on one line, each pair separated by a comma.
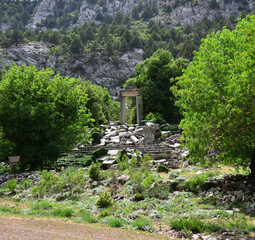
[[43, 229]]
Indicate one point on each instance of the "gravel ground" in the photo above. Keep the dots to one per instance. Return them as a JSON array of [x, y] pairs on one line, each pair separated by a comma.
[[41, 229]]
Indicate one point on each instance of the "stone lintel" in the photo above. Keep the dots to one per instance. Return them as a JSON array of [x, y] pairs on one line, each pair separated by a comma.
[[130, 92]]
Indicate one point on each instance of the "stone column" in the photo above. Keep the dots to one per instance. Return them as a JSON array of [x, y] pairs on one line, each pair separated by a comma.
[[123, 109], [139, 108]]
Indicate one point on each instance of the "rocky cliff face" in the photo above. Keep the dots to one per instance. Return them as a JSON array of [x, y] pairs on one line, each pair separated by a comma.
[[181, 13], [193, 11], [106, 72]]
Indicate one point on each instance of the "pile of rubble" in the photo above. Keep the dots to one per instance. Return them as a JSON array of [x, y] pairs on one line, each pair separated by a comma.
[[163, 147]]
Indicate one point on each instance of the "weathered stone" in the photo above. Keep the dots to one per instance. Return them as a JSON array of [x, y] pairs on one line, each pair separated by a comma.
[[134, 139]]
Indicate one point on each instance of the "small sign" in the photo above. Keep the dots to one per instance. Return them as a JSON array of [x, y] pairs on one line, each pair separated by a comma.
[[14, 159]]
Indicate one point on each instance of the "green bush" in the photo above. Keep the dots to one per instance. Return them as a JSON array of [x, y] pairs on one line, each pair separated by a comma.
[[162, 168], [115, 222], [155, 117], [65, 212], [194, 225], [94, 171], [138, 197], [158, 192], [99, 153], [107, 212], [26, 184], [4, 167], [104, 200], [42, 206], [96, 135], [12, 184], [122, 160], [87, 161], [143, 224], [197, 182], [87, 217]]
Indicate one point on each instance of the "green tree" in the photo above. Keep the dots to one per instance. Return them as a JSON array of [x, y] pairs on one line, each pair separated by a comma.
[[153, 78], [41, 114], [217, 95], [99, 102], [76, 45], [17, 37]]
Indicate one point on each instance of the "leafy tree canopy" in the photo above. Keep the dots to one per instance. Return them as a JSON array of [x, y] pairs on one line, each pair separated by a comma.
[[100, 104], [41, 114], [153, 78], [217, 96]]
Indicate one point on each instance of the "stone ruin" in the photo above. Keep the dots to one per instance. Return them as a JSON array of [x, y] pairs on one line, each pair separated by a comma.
[[164, 150], [146, 139]]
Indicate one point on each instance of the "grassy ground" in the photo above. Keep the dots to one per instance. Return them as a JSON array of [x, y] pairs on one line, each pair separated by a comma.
[[150, 201]]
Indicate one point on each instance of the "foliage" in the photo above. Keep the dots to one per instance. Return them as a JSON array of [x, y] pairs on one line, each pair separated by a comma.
[[87, 216], [96, 135], [122, 160], [12, 184], [41, 114], [143, 224], [194, 225], [104, 200], [115, 222], [100, 152], [216, 94], [4, 168], [99, 102], [26, 184], [65, 212], [94, 171], [162, 168], [155, 117], [138, 197], [42, 205], [153, 79], [5, 151], [197, 182]]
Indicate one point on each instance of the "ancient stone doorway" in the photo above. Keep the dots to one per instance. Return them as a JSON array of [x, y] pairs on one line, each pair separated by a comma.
[[131, 92]]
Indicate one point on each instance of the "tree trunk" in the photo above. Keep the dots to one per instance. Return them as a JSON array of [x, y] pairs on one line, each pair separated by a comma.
[[252, 167]]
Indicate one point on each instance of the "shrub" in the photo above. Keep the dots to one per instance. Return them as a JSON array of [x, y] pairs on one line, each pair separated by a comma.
[[96, 135], [143, 224], [194, 225], [136, 179], [162, 168], [107, 212], [104, 200], [155, 117], [4, 167], [42, 206], [115, 222], [173, 174], [26, 184], [158, 192], [122, 160], [11, 184], [65, 212], [94, 171], [138, 197], [87, 161], [34, 191], [99, 153], [87, 217], [197, 182]]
